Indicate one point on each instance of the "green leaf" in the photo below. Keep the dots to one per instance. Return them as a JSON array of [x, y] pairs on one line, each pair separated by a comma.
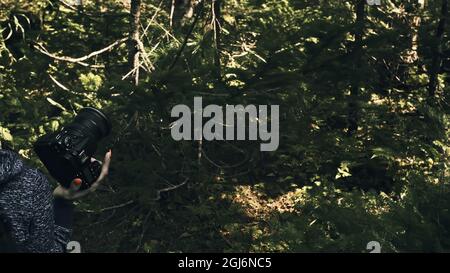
[[5, 134]]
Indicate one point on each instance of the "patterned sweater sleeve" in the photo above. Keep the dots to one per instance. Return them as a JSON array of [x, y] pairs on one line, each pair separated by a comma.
[[51, 219]]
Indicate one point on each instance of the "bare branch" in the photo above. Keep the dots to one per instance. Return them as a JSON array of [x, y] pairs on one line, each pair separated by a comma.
[[110, 208], [117, 206], [172, 10], [186, 38], [63, 87], [144, 31], [171, 188], [59, 84], [79, 60]]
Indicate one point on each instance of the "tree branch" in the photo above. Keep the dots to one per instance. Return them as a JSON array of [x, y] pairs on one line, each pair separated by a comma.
[[79, 60], [191, 29], [171, 188]]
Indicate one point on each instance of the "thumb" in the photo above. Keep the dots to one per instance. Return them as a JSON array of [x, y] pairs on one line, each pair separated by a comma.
[[75, 185]]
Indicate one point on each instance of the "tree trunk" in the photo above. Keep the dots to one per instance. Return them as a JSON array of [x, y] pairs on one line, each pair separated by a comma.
[[412, 55], [134, 51], [180, 9], [216, 11], [437, 51], [353, 108]]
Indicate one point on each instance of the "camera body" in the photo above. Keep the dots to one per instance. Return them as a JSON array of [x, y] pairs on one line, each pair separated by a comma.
[[67, 154]]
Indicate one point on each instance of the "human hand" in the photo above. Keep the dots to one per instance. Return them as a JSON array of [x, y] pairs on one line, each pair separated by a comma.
[[73, 192]]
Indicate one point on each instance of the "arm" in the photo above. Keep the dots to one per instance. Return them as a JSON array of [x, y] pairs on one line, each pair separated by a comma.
[[53, 213], [51, 223]]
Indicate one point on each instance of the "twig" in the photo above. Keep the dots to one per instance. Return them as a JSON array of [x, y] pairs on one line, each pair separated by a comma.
[[91, 16], [144, 230], [215, 8], [145, 58], [110, 208], [141, 46], [117, 206], [172, 11], [191, 29], [44, 51], [60, 85], [79, 60], [167, 32], [132, 71], [69, 6], [104, 220], [144, 32], [171, 188]]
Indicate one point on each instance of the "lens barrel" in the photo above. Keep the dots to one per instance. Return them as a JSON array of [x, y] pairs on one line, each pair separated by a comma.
[[94, 121]]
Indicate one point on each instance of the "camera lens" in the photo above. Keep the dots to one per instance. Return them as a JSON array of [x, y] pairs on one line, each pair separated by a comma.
[[88, 127], [95, 121]]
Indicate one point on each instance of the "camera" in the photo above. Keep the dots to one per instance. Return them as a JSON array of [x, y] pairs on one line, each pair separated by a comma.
[[67, 154]]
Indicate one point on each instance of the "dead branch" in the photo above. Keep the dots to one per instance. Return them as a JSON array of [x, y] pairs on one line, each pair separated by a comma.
[[60, 85], [79, 60], [188, 35], [171, 188], [117, 206], [110, 208]]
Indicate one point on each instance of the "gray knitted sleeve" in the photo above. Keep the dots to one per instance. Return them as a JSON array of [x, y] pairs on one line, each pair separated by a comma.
[[45, 236]]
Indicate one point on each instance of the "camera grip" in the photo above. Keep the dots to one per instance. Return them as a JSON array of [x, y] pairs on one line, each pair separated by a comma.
[[90, 174]]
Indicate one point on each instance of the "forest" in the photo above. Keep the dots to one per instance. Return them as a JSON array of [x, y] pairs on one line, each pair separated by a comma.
[[363, 89]]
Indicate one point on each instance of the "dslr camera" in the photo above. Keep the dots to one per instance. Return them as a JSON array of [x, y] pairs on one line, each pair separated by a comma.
[[67, 154]]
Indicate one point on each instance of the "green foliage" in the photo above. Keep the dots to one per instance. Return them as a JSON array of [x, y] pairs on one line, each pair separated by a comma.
[[325, 189]]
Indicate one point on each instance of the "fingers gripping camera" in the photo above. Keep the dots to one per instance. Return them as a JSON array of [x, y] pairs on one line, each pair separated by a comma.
[[67, 154]]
